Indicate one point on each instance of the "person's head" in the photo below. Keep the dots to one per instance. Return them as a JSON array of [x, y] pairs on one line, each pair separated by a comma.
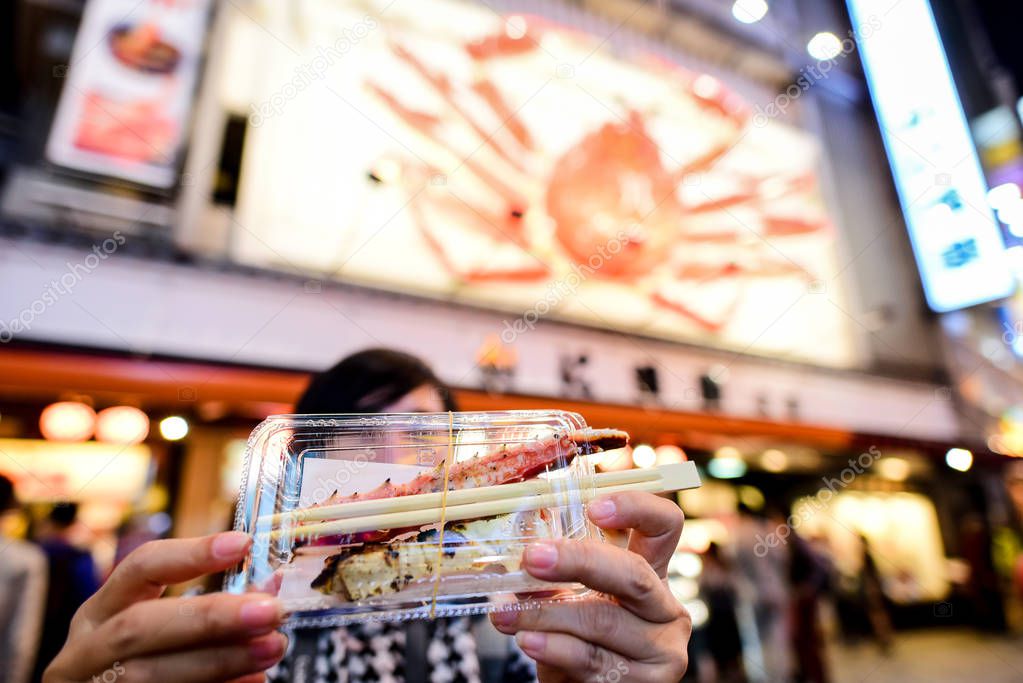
[[63, 515], [7, 499], [376, 381]]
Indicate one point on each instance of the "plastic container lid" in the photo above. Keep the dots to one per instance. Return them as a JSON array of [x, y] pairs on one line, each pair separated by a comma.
[[346, 510]]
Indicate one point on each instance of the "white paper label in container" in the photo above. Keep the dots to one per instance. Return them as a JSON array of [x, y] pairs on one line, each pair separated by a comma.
[[321, 477]]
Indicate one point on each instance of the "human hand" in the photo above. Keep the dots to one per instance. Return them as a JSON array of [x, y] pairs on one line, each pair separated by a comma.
[[126, 630], [636, 630]]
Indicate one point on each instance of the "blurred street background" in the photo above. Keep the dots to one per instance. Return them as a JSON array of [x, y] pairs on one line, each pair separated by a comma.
[[782, 239]]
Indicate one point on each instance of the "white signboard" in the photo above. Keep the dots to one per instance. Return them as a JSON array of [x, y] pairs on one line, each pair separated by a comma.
[[49, 470], [956, 238], [129, 88]]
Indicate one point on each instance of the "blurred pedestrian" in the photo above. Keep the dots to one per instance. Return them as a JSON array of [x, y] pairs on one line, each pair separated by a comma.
[[810, 577], [719, 590], [22, 597], [982, 589], [763, 575], [873, 599], [72, 579]]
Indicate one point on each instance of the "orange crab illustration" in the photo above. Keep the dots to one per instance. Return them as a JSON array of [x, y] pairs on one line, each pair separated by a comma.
[[690, 216]]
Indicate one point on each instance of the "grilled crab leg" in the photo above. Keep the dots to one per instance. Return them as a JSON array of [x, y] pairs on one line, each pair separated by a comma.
[[503, 466]]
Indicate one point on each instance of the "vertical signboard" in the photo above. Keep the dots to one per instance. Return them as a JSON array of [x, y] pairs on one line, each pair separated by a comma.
[[129, 89], [956, 238]]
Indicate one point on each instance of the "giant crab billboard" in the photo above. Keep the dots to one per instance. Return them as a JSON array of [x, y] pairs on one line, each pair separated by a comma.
[[443, 149]]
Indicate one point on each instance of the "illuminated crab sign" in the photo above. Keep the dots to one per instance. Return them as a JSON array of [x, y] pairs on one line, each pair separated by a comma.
[[516, 161]]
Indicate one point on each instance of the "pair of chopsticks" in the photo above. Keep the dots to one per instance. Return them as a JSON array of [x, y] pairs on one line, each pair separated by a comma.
[[424, 509]]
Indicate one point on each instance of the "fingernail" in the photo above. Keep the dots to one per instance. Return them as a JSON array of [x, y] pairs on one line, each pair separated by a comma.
[[504, 618], [531, 642], [542, 555], [269, 648], [230, 544], [602, 508], [260, 614]]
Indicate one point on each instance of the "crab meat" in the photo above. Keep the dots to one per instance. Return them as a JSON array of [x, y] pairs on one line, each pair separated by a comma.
[[490, 545], [504, 465]]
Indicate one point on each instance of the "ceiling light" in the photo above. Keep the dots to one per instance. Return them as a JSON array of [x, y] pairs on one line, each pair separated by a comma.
[[824, 46], [893, 469], [959, 459], [123, 425], [174, 428], [67, 421], [1002, 195], [774, 460], [644, 456], [670, 454], [749, 11], [726, 468]]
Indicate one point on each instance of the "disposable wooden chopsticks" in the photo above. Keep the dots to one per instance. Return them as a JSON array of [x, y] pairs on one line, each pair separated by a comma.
[[423, 509]]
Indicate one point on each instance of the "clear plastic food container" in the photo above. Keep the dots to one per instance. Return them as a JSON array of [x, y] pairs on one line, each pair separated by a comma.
[[398, 516]]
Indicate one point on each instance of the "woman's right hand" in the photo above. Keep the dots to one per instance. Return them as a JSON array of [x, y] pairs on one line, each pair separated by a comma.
[[125, 633]]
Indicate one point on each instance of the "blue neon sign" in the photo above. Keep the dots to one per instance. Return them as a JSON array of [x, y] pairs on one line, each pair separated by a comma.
[[956, 237]]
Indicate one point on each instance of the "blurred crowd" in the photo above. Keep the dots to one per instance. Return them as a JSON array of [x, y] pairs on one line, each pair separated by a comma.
[[771, 615], [42, 585]]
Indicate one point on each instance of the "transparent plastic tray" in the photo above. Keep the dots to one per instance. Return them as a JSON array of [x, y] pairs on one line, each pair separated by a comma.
[[319, 494]]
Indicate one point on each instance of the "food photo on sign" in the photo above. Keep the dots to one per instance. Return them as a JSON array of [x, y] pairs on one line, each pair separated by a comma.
[[128, 90]]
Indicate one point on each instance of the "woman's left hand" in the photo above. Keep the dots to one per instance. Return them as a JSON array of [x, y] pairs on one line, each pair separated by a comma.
[[636, 630]]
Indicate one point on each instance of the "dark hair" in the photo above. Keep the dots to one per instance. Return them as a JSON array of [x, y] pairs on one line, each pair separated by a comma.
[[63, 514], [7, 499], [369, 381]]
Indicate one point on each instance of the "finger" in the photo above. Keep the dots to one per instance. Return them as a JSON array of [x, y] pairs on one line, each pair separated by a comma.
[[620, 573], [576, 659], [155, 626], [597, 621], [251, 678], [145, 572], [656, 524], [208, 665]]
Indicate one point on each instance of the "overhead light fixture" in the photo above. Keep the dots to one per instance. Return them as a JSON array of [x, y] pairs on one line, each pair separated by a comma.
[[125, 425], [752, 497], [644, 456], [698, 611], [727, 463], [824, 46], [669, 454], [1002, 195], [687, 564], [893, 469], [774, 460], [959, 459], [67, 421], [749, 11], [727, 452], [174, 428]]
